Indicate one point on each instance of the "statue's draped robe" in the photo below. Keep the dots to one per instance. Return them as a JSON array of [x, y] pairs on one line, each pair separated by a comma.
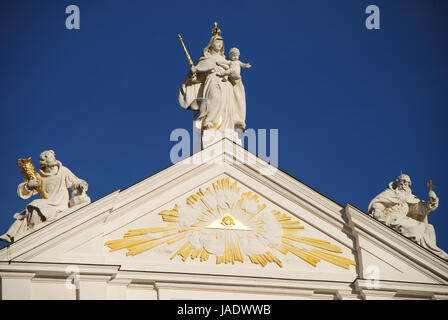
[[213, 99], [408, 215], [56, 187], [239, 100]]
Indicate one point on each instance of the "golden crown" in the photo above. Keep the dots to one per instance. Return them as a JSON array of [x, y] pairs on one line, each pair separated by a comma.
[[216, 30]]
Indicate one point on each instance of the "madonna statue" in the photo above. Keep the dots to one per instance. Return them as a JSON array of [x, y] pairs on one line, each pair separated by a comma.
[[217, 101]]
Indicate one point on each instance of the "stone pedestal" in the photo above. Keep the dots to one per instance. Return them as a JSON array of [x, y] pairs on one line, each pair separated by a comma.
[[209, 137]]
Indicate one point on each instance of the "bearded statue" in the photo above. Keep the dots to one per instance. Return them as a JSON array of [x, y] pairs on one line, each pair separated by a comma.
[[398, 208]]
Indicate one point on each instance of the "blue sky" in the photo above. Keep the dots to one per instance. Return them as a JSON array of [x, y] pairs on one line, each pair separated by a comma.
[[353, 107]]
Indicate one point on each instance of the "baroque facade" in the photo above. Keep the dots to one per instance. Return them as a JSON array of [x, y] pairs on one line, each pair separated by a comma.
[[213, 227]]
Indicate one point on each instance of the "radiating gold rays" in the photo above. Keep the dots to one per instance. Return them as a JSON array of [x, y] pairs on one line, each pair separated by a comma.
[[170, 215], [286, 222], [224, 184], [187, 250], [264, 259], [332, 258], [232, 253], [136, 246], [249, 210]]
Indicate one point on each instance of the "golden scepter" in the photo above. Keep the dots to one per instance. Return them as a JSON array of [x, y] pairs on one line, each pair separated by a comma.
[[28, 170], [431, 194], [190, 62]]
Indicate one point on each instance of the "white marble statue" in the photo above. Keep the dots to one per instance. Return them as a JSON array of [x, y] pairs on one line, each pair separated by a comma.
[[398, 208], [56, 180], [216, 104], [234, 65], [233, 74]]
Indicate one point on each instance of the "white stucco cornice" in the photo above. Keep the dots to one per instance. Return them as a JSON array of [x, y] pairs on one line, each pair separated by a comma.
[[77, 237], [375, 237]]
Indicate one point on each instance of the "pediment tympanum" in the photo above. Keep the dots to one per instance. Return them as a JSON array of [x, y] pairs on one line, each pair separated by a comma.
[[232, 226]]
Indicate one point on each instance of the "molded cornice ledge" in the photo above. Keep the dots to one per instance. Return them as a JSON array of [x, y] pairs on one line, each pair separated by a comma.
[[366, 227], [395, 289], [49, 270], [42, 237]]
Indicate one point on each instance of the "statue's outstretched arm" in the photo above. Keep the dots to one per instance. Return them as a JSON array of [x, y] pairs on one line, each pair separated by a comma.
[[421, 209], [433, 202]]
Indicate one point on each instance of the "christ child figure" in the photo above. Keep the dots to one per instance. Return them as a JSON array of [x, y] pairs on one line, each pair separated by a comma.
[[233, 66]]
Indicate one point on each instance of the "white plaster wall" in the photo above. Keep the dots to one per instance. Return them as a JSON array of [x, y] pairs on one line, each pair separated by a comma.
[[141, 292], [16, 285], [22, 286], [51, 289]]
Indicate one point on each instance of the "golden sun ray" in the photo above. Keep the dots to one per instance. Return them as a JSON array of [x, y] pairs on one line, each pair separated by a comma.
[[231, 223]]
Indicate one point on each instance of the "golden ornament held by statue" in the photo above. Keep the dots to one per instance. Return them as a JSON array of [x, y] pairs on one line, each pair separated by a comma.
[[432, 195], [28, 170]]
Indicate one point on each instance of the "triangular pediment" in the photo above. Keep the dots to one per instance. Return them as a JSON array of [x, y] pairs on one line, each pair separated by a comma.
[[225, 222], [222, 211]]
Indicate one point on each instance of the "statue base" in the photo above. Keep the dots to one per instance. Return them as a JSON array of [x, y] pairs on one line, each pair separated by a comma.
[[210, 137]]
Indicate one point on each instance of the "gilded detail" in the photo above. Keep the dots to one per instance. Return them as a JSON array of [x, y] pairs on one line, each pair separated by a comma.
[[232, 226], [27, 169]]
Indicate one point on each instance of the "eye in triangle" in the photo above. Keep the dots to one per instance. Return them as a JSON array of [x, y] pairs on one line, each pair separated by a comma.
[[227, 222]]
